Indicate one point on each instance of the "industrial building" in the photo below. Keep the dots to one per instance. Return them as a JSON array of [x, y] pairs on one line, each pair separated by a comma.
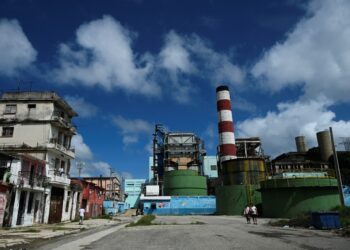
[[178, 184], [132, 189]]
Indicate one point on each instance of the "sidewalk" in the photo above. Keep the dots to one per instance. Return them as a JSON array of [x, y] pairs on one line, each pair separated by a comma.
[[24, 235]]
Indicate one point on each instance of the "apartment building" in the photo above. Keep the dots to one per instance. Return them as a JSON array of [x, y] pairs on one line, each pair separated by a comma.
[[39, 124]]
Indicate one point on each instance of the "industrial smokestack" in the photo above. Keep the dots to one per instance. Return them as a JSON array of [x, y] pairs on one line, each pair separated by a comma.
[[324, 144], [301, 144], [226, 131]]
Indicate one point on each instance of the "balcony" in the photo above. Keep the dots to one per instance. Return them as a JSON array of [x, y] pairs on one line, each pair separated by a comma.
[[52, 144], [27, 179], [59, 119], [58, 178]]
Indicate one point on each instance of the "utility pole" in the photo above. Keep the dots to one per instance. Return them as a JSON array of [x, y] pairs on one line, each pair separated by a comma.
[[111, 184], [337, 170], [80, 166]]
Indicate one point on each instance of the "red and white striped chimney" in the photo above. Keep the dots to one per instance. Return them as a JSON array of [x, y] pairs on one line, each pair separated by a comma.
[[226, 130]]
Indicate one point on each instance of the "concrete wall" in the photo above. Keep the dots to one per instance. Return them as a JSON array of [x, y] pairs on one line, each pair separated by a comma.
[[42, 111], [28, 218]]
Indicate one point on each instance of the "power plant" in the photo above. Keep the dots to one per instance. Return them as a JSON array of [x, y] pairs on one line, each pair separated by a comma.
[[291, 184]]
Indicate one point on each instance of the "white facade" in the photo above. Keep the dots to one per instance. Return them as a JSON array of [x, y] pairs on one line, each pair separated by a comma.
[[39, 124], [28, 191]]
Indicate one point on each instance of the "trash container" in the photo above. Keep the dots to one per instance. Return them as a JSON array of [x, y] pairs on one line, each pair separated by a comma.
[[325, 220]]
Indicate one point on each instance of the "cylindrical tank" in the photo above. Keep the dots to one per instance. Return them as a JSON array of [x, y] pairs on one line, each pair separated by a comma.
[[288, 198], [247, 171], [241, 179], [184, 183], [226, 130], [301, 144], [325, 145]]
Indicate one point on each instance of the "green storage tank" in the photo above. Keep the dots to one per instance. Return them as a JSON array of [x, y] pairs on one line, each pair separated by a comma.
[[240, 179], [184, 183], [287, 198], [231, 200]]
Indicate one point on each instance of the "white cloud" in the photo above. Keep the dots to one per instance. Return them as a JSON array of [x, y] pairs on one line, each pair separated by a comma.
[[16, 50], [92, 169], [102, 55], [131, 129], [184, 57], [315, 54], [126, 175], [83, 108], [82, 151], [279, 128]]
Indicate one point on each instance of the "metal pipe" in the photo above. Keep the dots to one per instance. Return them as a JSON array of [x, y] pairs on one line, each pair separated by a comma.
[[337, 170]]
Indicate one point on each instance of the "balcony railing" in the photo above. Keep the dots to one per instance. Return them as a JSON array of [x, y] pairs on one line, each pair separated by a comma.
[[59, 177], [31, 179]]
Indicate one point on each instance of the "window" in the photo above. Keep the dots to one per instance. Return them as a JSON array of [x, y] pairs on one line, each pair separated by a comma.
[[31, 106], [10, 109], [7, 131], [213, 167]]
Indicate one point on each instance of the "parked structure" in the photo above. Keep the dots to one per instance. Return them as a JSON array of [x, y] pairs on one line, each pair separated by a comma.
[[39, 124], [110, 184]]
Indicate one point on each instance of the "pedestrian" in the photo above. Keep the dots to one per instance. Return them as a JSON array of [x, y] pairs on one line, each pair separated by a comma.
[[81, 214], [254, 214], [246, 214]]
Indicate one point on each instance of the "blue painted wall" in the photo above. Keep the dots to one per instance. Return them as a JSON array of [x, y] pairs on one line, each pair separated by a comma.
[[132, 188], [181, 205]]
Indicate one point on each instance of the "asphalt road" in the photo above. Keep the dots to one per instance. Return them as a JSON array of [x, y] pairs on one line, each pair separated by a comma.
[[217, 232]]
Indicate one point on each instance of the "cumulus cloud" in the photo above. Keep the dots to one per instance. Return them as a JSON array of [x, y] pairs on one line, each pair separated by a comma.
[[278, 129], [16, 51], [131, 129], [83, 108], [314, 55], [92, 169], [185, 57], [102, 55], [82, 150]]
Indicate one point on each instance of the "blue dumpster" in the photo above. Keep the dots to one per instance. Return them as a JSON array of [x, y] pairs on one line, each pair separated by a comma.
[[325, 220]]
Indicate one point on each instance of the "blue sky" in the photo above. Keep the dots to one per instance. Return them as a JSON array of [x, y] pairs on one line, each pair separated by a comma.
[[127, 65]]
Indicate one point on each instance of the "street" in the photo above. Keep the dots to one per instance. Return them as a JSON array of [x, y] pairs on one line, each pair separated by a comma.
[[200, 232]]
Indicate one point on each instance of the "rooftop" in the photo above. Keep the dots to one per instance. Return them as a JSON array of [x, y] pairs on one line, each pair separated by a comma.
[[45, 96]]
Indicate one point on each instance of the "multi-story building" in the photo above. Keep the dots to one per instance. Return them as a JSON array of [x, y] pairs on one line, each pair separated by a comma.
[[133, 188], [40, 124], [110, 184]]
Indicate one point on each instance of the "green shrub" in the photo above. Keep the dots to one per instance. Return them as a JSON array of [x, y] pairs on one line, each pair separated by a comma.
[[145, 220]]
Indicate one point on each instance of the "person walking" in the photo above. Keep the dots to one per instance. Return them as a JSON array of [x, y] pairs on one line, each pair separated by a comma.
[[254, 214], [81, 214], [246, 214]]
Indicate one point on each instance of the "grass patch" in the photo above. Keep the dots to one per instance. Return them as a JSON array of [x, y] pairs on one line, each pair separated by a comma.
[[104, 216], [344, 213], [145, 220], [303, 220]]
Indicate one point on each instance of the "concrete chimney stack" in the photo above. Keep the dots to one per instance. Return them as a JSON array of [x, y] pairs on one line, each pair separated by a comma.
[[226, 130], [301, 144]]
